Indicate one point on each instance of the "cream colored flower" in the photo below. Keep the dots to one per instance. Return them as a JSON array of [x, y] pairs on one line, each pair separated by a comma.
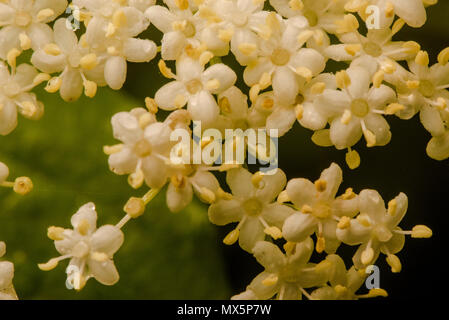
[[7, 291]]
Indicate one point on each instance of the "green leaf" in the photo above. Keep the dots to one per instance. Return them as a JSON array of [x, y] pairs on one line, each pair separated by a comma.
[[165, 255]]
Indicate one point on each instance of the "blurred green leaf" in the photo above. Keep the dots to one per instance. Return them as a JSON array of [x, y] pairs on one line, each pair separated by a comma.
[[164, 255]]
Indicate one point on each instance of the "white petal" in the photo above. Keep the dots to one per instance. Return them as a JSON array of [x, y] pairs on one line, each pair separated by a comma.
[[107, 239], [301, 192], [251, 232], [203, 107], [139, 50], [179, 198], [224, 212], [269, 256], [72, 85], [173, 44], [86, 212], [115, 72], [345, 135], [104, 272], [412, 11], [438, 147], [221, 72], [431, 120], [239, 180], [167, 95], [299, 226], [285, 85], [48, 63]]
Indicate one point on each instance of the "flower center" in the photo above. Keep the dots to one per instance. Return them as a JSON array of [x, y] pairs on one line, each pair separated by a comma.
[[280, 57], [426, 88], [194, 86], [372, 49], [252, 207], [23, 19], [11, 89], [321, 211], [80, 250], [360, 108], [142, 148]]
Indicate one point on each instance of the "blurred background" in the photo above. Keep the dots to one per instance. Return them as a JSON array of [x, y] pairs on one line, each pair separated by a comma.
[[181, 256]]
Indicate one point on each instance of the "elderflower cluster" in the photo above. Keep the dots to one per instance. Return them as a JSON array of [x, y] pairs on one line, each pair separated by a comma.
[[283, 48]]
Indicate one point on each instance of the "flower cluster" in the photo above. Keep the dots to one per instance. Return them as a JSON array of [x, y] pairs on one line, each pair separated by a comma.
[[283, 48]]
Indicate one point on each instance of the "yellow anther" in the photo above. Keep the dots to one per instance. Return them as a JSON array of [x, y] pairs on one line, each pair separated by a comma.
[[363, 220], [273, 232], [392, 207], [320, 185], [55, 233], [283, 197], [89, 61], [271, 280], [422, 58], [166, 71], [413, 84], [443, 57], [393, 108], [296, 5], [44, 14], [99, 256], [12, 56], [83, 227], [367, 256], [151, 105], [306, 209], [289, 247], [232, 237], [52, 49], [421, 231], [320, 244], [134, 207], [50, 265], [377, 292], [23, 185], [225, 35], [109, 150], [304, 72], [182, 4], [346, 117], [370, 138], [247, 49], [53, 85], [353, 49], [388, 66], [119, 18], [353, 159], [389, 10], [25, 41], [41, 77], [394, 262], [378, 78], [322, 138], [344, 223], [411, 47], [207, 195], [343, 80], [318, 88], [90, 88], [223, 194], [349, 194], [205, 57], [397, 26], [299, 111]]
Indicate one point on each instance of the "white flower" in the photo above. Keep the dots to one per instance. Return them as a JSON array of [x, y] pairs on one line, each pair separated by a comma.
[[252, 206], [7, 291], [76, 65], [179, 26], [282, 61], [24, 23], [357, 109], [90, 249], [111, 33], [319, 211], [145, 149], [4, 172], [195, 87], [376, 229], [15, 96], [285, 275]]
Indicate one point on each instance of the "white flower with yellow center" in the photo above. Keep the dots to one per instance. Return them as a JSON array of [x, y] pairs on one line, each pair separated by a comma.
[[269, 113], [282, 61], [319, 209], [251, 204], [111, 33], [78, 67], [195, 87], [145, 149], [358, 109], [24, 23], [15, 96], [178, 24], [376, 229], [286, 275], [7, 291], [89, 249]]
